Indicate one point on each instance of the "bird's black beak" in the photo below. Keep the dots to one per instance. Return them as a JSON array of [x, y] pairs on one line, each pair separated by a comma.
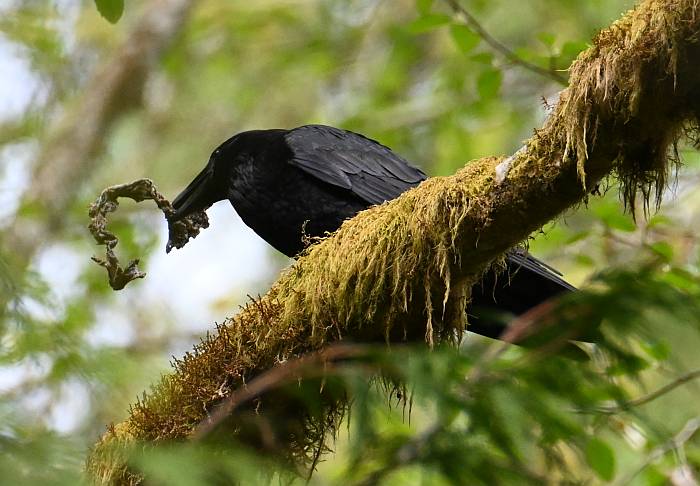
[[201, 193]]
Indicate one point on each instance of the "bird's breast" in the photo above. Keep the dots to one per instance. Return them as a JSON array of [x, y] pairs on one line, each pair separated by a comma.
[[285, 208]]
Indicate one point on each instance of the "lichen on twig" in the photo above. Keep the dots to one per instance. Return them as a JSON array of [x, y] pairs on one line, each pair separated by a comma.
[[140, 190]]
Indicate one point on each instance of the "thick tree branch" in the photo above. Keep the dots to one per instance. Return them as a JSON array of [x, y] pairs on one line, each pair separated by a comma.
[[403, 270]]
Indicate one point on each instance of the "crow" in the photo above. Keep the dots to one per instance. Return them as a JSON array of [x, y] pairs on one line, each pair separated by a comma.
[[290, 184]]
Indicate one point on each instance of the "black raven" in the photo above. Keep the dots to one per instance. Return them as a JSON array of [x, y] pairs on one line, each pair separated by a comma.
[[308, 180]]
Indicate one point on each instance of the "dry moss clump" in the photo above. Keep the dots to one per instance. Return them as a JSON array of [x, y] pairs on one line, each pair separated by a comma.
[[403, 270]]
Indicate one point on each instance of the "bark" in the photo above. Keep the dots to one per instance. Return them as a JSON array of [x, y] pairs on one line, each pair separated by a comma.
[[403, 270]]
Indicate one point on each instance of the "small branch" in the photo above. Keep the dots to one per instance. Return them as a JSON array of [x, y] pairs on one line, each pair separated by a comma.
[[676, 443], [501, 48], [310, 365], [143, 189], [644, 399]]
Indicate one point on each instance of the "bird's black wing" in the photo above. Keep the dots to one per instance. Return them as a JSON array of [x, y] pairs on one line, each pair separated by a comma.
[[522, 259], [351, 161]]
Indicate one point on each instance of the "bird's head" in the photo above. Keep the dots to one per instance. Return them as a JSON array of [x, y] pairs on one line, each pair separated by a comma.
[[210, 185], [241, 162]]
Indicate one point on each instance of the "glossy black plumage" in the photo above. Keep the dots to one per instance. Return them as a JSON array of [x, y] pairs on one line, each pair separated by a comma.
[[314, 177]]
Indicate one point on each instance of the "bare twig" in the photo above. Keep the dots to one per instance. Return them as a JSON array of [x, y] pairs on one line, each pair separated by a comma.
[[526, 325], [140, 190], [676, 443], [501, 48], [644, 399]]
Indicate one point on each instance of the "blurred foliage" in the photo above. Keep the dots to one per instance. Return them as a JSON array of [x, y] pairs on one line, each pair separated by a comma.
[[73, 354], [485, 414]]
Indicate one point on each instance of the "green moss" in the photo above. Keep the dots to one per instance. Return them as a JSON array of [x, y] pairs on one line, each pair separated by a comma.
[[627, 85]]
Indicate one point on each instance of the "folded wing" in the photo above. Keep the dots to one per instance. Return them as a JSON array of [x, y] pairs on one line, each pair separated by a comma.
[[351, 161]]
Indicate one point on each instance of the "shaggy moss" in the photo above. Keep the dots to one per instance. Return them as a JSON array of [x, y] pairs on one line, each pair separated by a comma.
[[627, 84]]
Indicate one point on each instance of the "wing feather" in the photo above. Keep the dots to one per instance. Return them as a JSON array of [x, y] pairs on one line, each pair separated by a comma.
[[523, 259], [326, 173], [351, 161]]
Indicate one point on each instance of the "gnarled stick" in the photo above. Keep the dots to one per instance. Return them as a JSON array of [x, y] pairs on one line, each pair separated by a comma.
[[143, 189]]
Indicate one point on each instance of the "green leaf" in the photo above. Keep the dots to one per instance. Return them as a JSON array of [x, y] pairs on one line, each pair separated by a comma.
[[613, 218], [601, 458], [657, 350], [424, 6], [681, 279], [427, 23], [629, 365], [659, 220], [111, 10], [463, 36], [585, 260], [653, 477], [488, 83], [546, 38], [663, 249], [483, 58], [577, 236], [570, 50]]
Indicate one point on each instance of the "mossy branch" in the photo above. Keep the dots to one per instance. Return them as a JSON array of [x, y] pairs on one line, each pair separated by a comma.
[[403, 270]]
